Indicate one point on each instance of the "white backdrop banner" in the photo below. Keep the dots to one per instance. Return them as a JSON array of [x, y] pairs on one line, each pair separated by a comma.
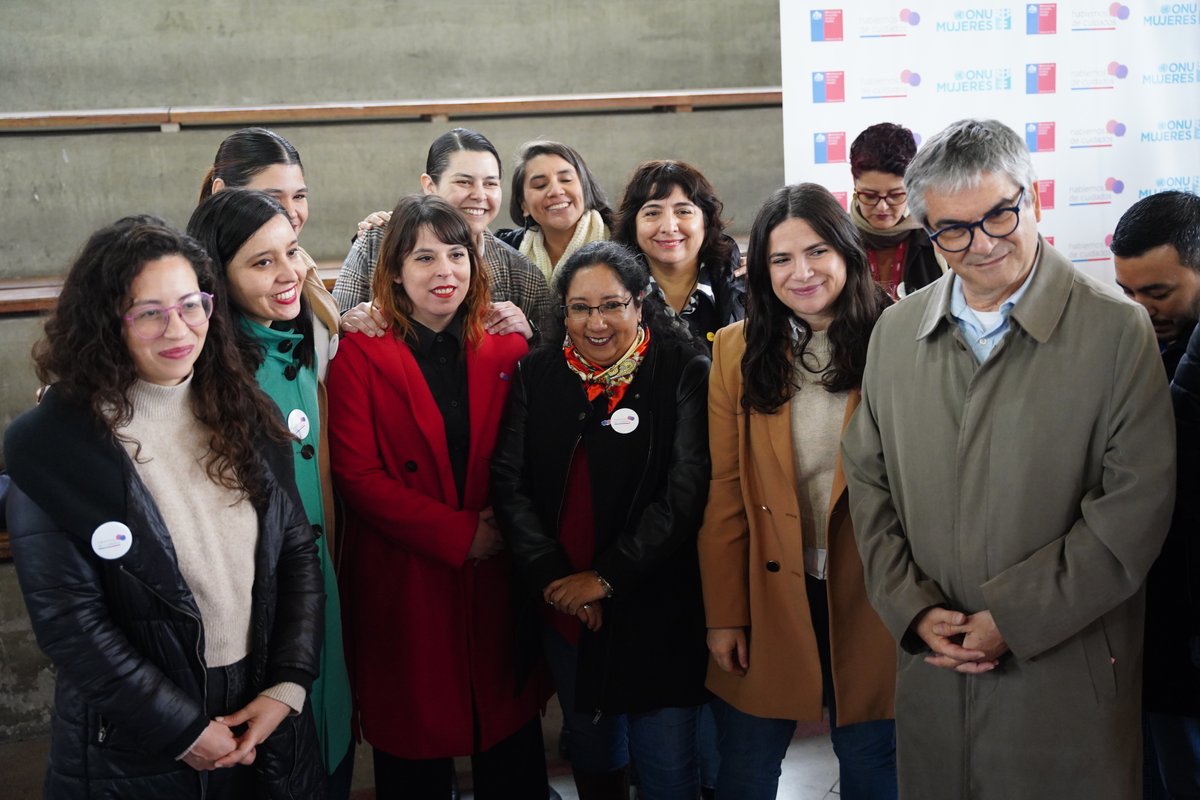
[[1107, 95]]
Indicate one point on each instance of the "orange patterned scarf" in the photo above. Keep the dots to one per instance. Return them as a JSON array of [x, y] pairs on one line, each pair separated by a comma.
[[611, 381]]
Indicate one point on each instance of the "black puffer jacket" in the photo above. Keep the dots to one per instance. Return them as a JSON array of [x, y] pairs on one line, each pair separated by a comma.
[[649, 488], [125, 635]]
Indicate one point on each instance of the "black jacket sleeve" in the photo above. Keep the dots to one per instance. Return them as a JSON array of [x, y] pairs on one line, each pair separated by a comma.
[[69, 611], [672, 518], [537, 556], [298, 631]]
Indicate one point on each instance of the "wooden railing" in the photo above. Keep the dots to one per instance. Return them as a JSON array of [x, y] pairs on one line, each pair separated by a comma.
[[172, 118]]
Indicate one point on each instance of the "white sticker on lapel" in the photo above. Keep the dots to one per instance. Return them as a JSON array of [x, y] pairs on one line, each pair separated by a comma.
[[112, 540], [298, 423], [333, 346], [624, 420]]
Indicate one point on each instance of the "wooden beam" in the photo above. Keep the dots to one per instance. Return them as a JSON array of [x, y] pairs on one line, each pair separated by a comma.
[[173, 117]]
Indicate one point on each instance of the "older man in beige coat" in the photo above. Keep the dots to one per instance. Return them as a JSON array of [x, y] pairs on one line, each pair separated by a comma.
[[1011, 475]]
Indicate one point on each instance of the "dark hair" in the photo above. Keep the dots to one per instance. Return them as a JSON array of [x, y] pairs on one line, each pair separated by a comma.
[[633, 275], [767, 366], [246, 153], [1165, 218], [654, 180], [882, 148], [593, 195], [412, 213], [452, 142], [83, 352], [222, 224]]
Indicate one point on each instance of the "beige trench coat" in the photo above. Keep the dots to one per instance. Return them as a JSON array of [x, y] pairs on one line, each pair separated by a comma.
[[1038, 486], [752, 568]]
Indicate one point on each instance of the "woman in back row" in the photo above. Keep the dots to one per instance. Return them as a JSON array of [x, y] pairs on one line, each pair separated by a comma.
[[463, 168]]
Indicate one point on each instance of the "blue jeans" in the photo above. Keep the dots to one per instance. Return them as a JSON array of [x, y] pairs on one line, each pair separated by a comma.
[[1176, 744], [752, 748], [662, 742]]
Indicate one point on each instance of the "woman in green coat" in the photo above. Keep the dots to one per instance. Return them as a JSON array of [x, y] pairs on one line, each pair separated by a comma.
[[263, 276]]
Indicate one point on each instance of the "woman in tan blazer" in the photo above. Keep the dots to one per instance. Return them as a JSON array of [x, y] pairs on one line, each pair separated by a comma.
[[789, 626]]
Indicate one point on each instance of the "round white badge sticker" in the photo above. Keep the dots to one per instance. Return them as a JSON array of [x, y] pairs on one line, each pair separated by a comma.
[[333, 346], [112, 540], [298, 423], [624, 420]]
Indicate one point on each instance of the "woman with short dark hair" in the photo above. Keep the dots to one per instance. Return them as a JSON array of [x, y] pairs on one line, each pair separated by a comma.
[[599, 475], [168, 574], [900, 255]]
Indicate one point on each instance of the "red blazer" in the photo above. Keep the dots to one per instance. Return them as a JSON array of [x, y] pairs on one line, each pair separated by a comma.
[[425, 632]]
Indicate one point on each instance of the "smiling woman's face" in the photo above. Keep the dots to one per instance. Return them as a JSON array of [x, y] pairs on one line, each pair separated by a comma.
[[436, 277], [601, 337], [552, 193]]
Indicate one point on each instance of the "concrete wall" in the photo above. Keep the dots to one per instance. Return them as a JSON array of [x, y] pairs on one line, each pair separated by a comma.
[[57, 188]]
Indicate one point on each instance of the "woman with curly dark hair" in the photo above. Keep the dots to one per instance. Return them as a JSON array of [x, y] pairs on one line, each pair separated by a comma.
[[599, 479], [168, 574], [789, 625], [671, 215], [901, 257]]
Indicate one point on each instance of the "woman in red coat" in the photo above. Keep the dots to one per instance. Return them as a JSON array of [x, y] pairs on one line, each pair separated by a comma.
[[413, 418]]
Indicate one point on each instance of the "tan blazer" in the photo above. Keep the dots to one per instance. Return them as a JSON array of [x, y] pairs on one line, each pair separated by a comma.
[[752, 567]]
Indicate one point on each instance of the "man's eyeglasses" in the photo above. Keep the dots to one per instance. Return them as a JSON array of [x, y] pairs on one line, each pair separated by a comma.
[[997, 224], [151, 322], [871, 199], [579, 312]]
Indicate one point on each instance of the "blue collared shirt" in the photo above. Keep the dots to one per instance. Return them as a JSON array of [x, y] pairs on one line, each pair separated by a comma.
[[983, 334]]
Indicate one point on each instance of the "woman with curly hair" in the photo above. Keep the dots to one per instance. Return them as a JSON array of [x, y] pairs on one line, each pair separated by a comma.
[[168, 574], [789, 626], [671, 215]]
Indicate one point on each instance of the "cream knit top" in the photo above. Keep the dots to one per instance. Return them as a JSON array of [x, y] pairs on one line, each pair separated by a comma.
[[214, 530], [817, 417]]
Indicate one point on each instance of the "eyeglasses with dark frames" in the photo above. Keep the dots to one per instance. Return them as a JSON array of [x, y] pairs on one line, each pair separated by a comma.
[[152, 321], [871, 199], [997, 223], [579, 312]]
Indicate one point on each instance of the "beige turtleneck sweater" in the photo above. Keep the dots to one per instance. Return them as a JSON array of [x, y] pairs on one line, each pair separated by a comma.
[[214, 530], [817, 417]]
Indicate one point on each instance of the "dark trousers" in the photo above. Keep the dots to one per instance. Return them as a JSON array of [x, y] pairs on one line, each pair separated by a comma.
[[513, 768], [229, 690]]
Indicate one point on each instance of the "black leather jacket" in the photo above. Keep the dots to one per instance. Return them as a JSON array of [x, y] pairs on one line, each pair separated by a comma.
[[649, 488], [126, 636]]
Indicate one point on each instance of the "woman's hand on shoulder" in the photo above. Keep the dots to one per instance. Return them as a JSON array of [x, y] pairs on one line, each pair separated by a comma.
[[728, 648], [364, 318], [261, 716], [375, 220], [507, 317], [214, 744]]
